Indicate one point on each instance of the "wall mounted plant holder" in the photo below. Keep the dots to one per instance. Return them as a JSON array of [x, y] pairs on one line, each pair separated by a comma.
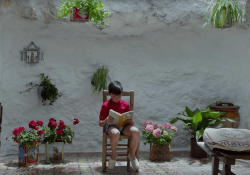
[[31, 54], [79, 15]]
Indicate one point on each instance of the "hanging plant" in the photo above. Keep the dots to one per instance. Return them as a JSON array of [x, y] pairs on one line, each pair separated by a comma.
[[223, 13], [48, 92], [94, 8], [99, 80]]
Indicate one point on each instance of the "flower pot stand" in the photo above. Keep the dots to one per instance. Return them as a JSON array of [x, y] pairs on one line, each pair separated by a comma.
[[54, 152], [28, 155], [79, 15], [158, 153]]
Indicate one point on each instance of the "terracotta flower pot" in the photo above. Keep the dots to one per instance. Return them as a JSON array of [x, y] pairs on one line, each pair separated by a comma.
[[196, 151]]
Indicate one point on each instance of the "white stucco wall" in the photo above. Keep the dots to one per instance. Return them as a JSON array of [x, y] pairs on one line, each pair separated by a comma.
[[169, 68]]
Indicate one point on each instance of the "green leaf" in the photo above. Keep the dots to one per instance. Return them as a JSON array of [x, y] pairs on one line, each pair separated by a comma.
[[199, 134], [197, 118], [174, 120], [219, 126], [189, 112]]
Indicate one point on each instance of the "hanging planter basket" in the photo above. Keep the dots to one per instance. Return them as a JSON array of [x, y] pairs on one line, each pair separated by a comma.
[[225, 21], [54, 152], [79, 15], [28, 155]]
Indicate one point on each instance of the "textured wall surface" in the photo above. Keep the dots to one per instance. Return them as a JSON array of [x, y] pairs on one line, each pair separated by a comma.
[[156, 48]]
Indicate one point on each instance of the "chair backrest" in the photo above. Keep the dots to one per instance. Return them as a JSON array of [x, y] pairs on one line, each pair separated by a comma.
[[124, 93]]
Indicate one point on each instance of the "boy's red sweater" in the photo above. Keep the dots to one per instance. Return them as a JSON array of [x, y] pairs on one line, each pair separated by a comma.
[[121, 107]]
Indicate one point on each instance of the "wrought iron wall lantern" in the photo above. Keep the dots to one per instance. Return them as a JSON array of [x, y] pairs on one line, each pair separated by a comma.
[[31, 54]]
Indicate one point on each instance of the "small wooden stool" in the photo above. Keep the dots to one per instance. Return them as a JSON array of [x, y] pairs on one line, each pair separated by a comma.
[[227, 157]]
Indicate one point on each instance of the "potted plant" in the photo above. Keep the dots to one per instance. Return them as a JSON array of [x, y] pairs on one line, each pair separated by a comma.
[[94, 11], [28, 142], [159, 137], [223, 13], [54, 138], [46, 90], [99, 80], [196, 122]]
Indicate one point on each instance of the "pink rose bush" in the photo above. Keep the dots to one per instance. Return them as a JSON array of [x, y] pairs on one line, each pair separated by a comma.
[[158, 134]]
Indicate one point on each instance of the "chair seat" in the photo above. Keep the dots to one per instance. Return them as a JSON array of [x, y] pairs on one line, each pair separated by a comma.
[[121, 137]]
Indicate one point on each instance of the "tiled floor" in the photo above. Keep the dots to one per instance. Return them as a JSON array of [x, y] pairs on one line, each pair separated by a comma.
[[90, 164]]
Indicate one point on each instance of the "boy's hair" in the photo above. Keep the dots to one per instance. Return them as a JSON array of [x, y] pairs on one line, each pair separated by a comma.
[[115, 88]]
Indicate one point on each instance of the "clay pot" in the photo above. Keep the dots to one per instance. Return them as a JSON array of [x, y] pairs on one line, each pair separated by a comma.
[[196, 151]]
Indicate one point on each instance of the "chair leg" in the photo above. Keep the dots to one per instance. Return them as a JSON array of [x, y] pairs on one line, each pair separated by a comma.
[[128, 152], [215, 165], [104, 152]]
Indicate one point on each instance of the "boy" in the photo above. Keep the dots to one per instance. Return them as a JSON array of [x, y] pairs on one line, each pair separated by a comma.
[[117, 104]]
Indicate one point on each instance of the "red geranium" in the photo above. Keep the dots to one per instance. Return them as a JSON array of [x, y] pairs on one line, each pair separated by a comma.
[[59, 132], [32, 125], [52, 120], [76, 121], [52, 123], [39, 123], [61, 125], [40, 132]]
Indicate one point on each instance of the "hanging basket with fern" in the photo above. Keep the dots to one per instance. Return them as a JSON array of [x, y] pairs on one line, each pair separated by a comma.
[[223, 13]]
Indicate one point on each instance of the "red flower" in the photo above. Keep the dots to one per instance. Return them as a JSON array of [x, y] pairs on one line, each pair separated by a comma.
[[76, 121], [39, 123], [52, 124], [21, 129], [59, 132], [40, 132], [52, 120], [32, 125], [16, 132], [38, 140], [61, 125]]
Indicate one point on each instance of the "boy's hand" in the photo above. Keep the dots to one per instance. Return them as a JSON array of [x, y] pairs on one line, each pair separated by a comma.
[[130, 122], [109, 119]]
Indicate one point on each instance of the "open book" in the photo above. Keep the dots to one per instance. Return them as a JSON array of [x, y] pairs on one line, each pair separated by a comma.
[[119, 119]]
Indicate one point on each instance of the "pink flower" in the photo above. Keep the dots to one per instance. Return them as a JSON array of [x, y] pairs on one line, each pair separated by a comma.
[[150, 122], [167, 125], [156, 125], [162, 126], [157, 133], [165, 133], [145, 124], [40, 132], [174, 128], [149, 128]]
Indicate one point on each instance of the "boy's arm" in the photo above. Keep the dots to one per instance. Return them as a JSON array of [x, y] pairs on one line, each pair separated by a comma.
[[103, 117], [109, 119]]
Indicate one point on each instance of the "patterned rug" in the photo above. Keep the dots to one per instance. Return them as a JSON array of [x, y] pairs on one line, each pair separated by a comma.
[[90, 164]]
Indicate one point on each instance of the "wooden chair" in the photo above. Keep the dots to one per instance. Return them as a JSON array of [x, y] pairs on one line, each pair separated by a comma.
[[121, 147], [227, 157]]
